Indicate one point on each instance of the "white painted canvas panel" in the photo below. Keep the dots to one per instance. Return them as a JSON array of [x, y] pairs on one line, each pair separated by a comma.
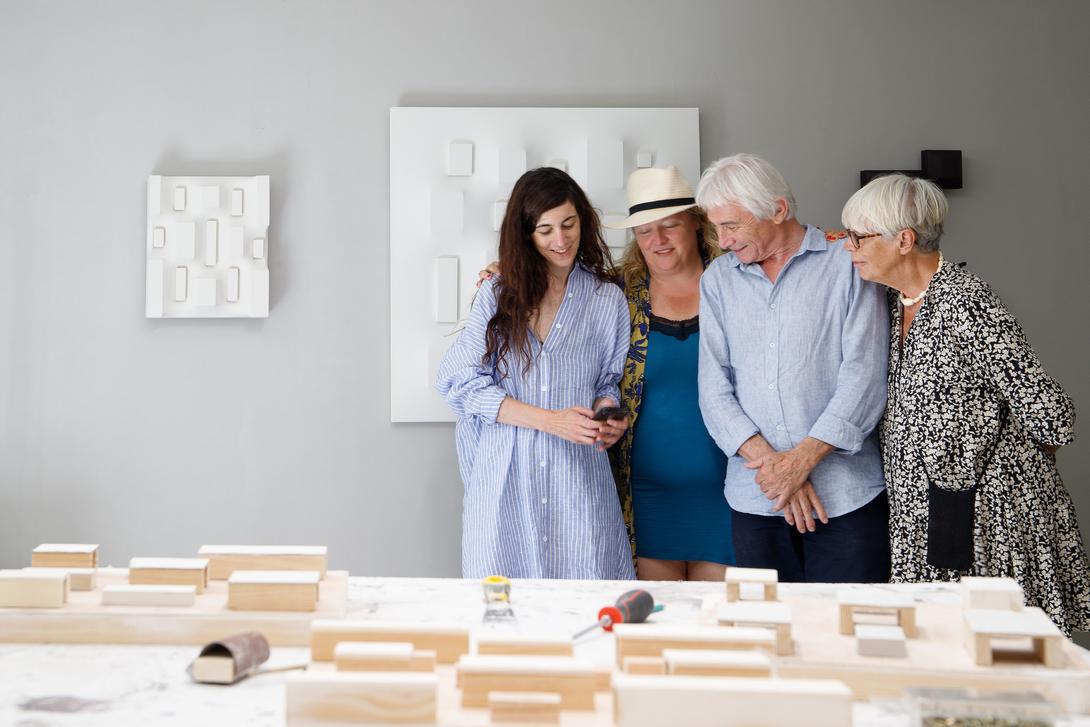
[[451, 170], [206, 247]]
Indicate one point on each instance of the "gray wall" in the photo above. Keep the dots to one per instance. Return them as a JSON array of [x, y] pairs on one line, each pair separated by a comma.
[[152, 437]]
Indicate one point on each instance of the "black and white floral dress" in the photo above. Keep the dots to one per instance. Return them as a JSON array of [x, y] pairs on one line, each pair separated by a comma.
[[972, 490]]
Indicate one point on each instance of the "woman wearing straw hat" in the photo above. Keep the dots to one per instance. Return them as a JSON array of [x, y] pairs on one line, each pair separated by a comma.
[[669, 471]]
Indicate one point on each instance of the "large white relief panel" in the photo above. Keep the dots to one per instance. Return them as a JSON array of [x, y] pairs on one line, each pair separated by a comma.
[[451, 171], [206, 247]]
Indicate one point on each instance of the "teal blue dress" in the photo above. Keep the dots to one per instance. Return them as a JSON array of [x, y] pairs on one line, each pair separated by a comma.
[[678, 506]]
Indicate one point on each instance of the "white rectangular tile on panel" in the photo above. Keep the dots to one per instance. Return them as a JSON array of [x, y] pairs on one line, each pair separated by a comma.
[[202, 222], [460, 159], [211, 242], [645, 158], [499, 209], [433, 215], [446, 289]]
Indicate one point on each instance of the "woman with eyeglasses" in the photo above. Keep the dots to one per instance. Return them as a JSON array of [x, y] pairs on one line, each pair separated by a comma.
[[972, 421]]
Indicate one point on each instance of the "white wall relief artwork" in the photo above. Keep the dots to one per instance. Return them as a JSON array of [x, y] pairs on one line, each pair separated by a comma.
[[206, 247], [451, 171]]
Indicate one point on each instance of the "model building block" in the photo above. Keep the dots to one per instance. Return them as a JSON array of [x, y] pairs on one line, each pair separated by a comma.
[[573, 679], [1003, 594], [524, 645], [644, 665], [169, 572], [37, 588], [382, 656], [886, 641], [775, 616], [534, 707], [223, 560], [766, 578], [984, 625], [651, 640], [360, 698], [701, 662], [273, 590], [149, 595], [64, 555], [79, 579], [865, 601], [695, 701], [447, 641]]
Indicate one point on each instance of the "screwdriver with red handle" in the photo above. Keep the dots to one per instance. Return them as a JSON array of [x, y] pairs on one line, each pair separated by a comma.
[[632, 607]]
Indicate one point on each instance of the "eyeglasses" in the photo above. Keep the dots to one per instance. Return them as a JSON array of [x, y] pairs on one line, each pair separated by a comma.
[[855, 239]]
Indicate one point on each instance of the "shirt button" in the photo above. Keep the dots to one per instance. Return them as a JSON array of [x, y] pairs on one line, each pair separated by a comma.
[[544, 538], [559, 326], [772, 306], [544, 387], [771, 386], [772, 345], [542, 463], [570, 294], [544, 500], [779, 427]]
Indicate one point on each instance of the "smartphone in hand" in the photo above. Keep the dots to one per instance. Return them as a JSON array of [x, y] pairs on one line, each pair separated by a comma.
[[609, 412]]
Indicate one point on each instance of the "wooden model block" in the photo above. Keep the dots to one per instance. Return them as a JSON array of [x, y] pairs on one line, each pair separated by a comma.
[[447, 641], [767, 578], [37, 588], [149, 595], [695, 701], [650, 640], [360, 698], [64, 555], [873, 601], [573, 679], [382, 656], [169, 572], [524, 645], [535, 707], [223, 560], [982, 626], [79, 579], [644, 665], [880, 640], [701, 662], [1003, 594], [273, 590], [603, 678], [774, 616], [213, 670]]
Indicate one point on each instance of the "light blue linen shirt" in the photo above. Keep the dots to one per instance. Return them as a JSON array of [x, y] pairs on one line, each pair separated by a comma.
[[536, 505], [806, 356]]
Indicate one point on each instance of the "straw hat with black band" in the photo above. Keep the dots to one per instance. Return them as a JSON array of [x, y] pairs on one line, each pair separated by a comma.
[[653, 194]]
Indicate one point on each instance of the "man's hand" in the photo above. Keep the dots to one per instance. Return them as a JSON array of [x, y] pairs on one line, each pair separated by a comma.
[[803, 507], [780, 475]]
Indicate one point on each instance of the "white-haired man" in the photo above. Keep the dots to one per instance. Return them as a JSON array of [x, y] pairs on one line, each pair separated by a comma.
[[793, 360]]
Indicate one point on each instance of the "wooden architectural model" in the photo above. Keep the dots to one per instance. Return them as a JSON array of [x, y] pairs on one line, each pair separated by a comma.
[[703, 662], [854, 601], [257, 590], [1003, 594], [761, 614], [524, 645], [79, 579], [360, 698], [644, 665], [651, 639], [149, 595], [766, 578], [877, 640], [65, 555], [514, 707], [169, 572], [382, 656], [449, 642], [984, 625], [223, 560], [571, 678], [33, 588], [654, 701]]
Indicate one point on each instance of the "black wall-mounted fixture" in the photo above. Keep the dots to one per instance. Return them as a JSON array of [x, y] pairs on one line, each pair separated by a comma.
[[941, 166]]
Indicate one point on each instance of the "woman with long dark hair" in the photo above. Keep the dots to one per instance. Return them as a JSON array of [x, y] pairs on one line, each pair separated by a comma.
[[542, 351]]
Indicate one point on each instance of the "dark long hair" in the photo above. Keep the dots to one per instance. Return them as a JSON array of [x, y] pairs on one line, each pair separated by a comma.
[[524, 272]]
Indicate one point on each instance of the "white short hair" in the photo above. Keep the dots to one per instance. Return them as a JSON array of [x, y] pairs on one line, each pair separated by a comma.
[[748, 181], [896, 202]]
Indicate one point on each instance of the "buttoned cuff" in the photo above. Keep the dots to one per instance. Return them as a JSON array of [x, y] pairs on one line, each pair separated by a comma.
[[609, 391], [487, 403], [732, 441], [837, 432]]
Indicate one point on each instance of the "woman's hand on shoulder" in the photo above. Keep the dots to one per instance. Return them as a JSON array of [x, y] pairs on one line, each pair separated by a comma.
[[493, 268], [574, 424]]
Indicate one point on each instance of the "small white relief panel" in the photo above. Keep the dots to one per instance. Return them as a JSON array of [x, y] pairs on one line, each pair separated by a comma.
[[451, 173], [206, 247]]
